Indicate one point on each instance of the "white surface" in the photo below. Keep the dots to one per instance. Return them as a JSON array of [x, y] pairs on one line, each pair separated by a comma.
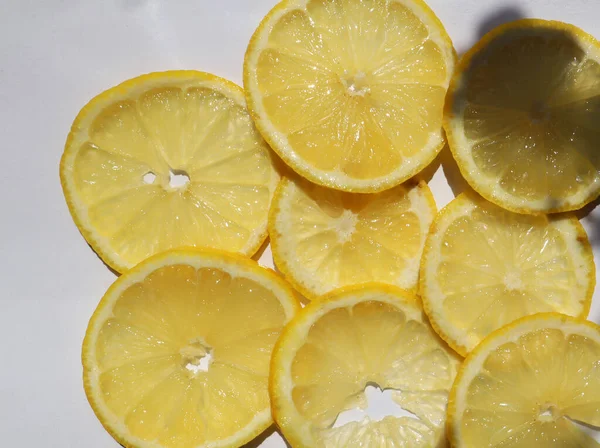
[[55, 55]]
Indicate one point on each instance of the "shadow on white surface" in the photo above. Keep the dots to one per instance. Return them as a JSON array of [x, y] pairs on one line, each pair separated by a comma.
[[116, 274], [505, 14], [429, 171], [455, 180], [490, 19], [270, 433], [592, 431], [590, 215]]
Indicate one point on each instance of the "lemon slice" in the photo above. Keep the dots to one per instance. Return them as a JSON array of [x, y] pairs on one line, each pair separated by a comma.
[[373, 334], [529, 385], [522, 114], [350, 93], [167, 160], [324, 239], [177, 352], [484, 267]]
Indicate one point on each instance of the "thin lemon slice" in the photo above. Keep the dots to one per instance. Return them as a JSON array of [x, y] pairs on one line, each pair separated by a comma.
[[336, 346], [167, 160], [350, 93], [324, 239], [484, 267], [146, 345], [529, 385], [522, 117]]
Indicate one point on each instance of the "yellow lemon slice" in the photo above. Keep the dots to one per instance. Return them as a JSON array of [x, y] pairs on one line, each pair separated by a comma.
[[323, 239], [484, 267], [177, 352], [522, 117], [336, 346], [167, 160], [350, 93], [531, 384]]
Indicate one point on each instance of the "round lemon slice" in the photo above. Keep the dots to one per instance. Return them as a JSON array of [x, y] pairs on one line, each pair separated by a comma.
[[522, 117], [336, 346], [324, 239], [484, 267], [532, 384], [350, 93], [177, 352], [167, 160]]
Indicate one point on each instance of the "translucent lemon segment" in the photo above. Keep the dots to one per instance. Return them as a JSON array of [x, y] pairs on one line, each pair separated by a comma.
[[168, 160], [527, 385], [340, 344], [364, 79], [178, 351], [522, 113], [484, 267], [324, 239]]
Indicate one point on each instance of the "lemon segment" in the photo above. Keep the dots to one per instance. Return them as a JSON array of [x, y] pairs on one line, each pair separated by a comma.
[[167, 160], [336, 346], [350, 93], [521, 114], [484, 267], [324, 239], [177, 353], [526, 386]]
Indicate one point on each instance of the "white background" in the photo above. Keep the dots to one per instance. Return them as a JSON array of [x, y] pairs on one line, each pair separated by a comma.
[[54, 56]]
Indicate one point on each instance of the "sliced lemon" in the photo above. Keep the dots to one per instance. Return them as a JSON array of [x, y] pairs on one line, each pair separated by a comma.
[[338, 345], [528, 385], [323, 239], [522, 114], [484, 267], [350, 93], [147, 345], [167, 160]]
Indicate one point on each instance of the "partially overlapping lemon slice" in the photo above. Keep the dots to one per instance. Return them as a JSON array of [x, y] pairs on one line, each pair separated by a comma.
[[324, 239], [177, 352], [336, 346], [484, 267], [167, 160], [350, 93], [532, 384], [522, 116]]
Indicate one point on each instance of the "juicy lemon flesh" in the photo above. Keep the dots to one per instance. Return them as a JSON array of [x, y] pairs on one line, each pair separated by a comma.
[[531, 114], [530, 391], [498, 266], [329, 239], [148, 351], [371, 342], [124, 168], [360, 78]]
